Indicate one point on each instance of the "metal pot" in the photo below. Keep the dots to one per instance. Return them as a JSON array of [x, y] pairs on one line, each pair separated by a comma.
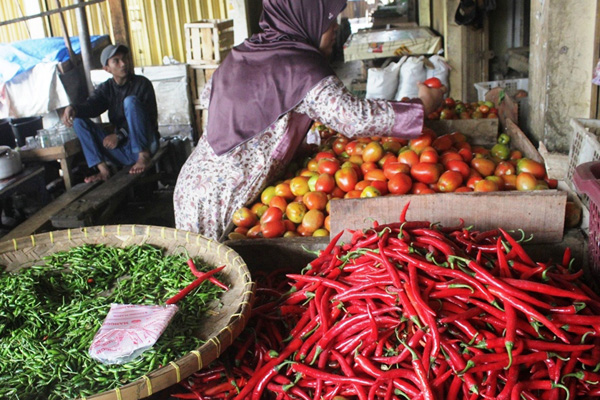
[[10, 162]]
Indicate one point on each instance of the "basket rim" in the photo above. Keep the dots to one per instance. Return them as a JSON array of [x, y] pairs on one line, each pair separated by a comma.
[[177, 370]]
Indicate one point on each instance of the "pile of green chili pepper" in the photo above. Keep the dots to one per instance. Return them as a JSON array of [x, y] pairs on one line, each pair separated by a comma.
[[50, 312], [416, 311]]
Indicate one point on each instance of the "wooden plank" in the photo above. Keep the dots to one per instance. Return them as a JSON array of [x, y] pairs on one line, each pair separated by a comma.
[[521, 142], [41, 218], [83, 211], [480, 131], [270, 254], [120, 22], [540, 213]]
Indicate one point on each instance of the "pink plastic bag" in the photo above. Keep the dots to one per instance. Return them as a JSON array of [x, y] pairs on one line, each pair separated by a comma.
[[128, 330]]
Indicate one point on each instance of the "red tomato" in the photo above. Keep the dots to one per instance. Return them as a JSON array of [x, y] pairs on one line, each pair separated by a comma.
[[381, 186], [449, 181], [449, 102], [387, 158], [463, 189], [289, 226], [484, 166], [400, 184], [552, 183], [272, 214], [279, 202], [273, 229], [325, 154], [375, 175], [449, 156], [430, 155], [244, 217], [433, 83], [368, 166], [419, 143], [395, 168], [337, 193], [466, 154], [459, 166], [472, 181], [442, 143], [515, 155], [315, 200], [510, 182], [426, 172], [313, 220], [241, 230], [504, 168], [408, 157], [533, 167], [254, 232], [526, 181], [458, 137], [325, 183], [498, 180], [295, 212], [339, 145], [328, 166], [355, 167], [353, 194], [485, 185], [419, 187], [361, 185], [372, 152]]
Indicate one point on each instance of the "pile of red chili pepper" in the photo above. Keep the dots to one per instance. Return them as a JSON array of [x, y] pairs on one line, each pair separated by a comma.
[[417, 311]]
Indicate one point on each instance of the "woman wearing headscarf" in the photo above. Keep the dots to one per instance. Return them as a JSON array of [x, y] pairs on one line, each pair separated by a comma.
[[261, 103]]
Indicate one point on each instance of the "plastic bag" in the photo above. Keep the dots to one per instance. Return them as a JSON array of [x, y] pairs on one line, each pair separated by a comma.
[[382, 83], [596, 74], [411, 72], [440, 69], [128, 331]]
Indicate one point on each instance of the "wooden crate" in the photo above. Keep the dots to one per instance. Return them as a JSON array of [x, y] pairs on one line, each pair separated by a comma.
[[480, 131], [208, 41], [540, 213], [199, 75]]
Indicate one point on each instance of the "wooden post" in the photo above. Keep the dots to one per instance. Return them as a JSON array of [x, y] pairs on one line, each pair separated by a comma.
[[564, 49], [120, 23], [424, 13]]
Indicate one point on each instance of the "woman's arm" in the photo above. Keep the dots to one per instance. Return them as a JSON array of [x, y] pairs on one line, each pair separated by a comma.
[[332, 104]]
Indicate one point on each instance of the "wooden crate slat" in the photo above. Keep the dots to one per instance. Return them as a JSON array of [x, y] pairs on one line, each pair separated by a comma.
[[539, 213], [210, 41]]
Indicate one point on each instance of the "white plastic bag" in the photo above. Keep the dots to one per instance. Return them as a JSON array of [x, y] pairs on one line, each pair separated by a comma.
[[128, 330], [440, 69], [411, 72], [382, 83]]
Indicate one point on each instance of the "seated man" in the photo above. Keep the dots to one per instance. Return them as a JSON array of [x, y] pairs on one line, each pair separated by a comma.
[[132, 111]]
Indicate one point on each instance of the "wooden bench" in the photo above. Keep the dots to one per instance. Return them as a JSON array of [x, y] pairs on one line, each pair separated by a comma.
[[95, 206]]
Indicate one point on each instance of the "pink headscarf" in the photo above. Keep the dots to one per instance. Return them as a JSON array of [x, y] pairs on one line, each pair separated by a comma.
[[270, 73]]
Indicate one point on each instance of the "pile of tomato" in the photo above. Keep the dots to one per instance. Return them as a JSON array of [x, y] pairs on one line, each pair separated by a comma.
[[456, 109], [379, 166]]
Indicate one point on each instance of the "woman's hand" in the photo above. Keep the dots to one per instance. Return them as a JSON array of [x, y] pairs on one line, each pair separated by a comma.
[[431, 98]]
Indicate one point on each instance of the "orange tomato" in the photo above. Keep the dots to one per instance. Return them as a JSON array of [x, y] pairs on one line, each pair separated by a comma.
[[325, 183], [283, 190], [258, 209], [484, 166], [295, 212], [408, 157], [375, 175], [450, 181], [299, 185], [485, 185], [313, 220], [400, 184], [315, 200], [279, 202], [244, 217], [372, 152]]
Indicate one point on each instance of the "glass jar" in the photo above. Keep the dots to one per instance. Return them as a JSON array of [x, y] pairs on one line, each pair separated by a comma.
[[43, 138]]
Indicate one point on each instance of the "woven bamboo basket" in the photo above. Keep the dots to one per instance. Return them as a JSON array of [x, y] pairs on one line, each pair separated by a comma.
[[222, 326]]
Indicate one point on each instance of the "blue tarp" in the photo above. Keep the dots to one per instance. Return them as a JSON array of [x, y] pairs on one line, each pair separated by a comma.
[[22, 56]]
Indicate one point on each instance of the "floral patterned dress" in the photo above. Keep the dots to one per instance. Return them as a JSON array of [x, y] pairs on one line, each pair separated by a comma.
[[211, 188]]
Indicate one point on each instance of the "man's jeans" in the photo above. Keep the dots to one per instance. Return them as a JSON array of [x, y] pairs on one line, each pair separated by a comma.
[[141, 137]]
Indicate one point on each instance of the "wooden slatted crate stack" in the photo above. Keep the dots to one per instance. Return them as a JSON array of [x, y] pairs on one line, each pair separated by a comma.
[[207, 44]]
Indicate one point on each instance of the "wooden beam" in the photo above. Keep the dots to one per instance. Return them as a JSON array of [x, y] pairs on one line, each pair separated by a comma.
[[424, 13], [120, 22]]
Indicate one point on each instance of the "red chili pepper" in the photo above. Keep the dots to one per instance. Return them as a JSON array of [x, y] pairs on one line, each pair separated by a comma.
[[193, 285], [520, 387], [511, 330], [211, 279], [421, 374]]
